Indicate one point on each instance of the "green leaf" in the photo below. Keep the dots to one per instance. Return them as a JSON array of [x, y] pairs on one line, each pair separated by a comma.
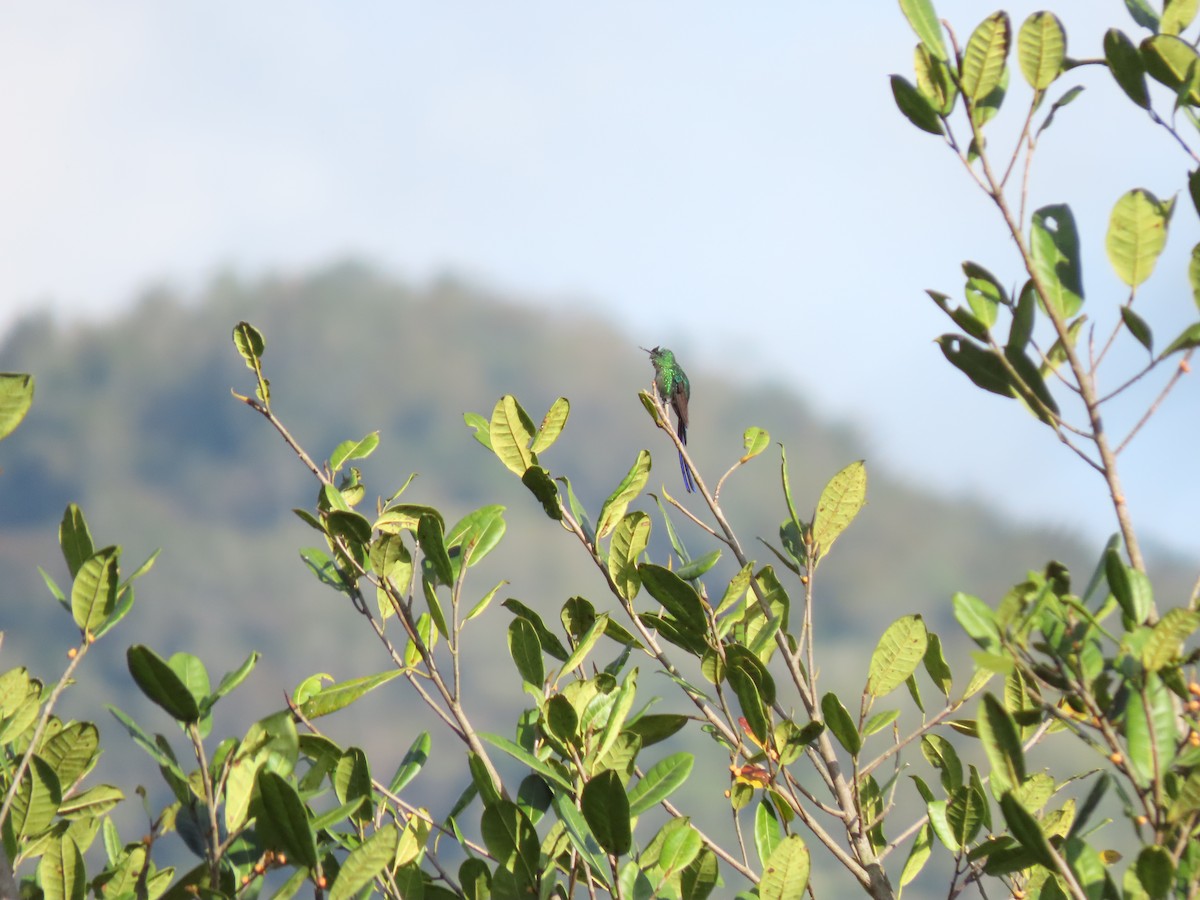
[[785, 873], [606, 809], [1150, 730], [94, 591], [918, 855], [676, 596], [1164, 646], [940, 754], [1002, 744], [549, 641], [924, 22], [985, 295], [340, 695], [897, 655], [365, 861], [1188, 338], [1169, 60], [628, 542], [249, 343], [1131, 587], [61, 872], [519, 753], [660, 781], [526, 652], [429, 534], [934, 80], [552, 425], [1156, 871], [480, 427], [36, 800], [700, 566], [352, 784], [983, 367], [627, 491], [348, 450], [985, 55], [700, 878], [838, 720], [510, 432], [977, 620], [754, 442], [1138, 328], [1041, 49], [1025, 829], [1055, 247], [414, 760], [581, 837], [936, 666], [1068, 96], [1194, 260], [16, 397], [542, 486], [160, 683], [1137, 234], [767, 831], [147, 743], [287, 820], [1125, 63], [915, 106], [74, 538], [840, 502], [510, 838], [1177, 15]]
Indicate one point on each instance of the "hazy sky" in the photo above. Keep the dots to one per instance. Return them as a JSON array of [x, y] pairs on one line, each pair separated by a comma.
[[731, 181]]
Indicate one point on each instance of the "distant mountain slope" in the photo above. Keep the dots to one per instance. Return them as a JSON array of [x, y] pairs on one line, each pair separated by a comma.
[[133, 420]]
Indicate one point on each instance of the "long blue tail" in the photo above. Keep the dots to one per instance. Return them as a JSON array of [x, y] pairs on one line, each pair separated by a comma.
[[687, 475]]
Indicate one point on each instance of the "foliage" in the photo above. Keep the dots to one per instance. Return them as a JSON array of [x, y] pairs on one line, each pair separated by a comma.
[[592, 809]]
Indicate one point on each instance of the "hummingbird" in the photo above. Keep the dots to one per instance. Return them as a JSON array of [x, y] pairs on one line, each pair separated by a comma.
[[673, 386]]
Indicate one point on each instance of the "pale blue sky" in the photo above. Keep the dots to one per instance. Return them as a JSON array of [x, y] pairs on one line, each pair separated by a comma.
[[730, 180]]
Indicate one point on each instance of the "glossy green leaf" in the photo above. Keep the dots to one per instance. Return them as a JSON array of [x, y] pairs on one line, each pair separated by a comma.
[[549, 641], [983, 367], [365, 861], [287, 820], [552, 425], [936, 666], [1054, 243], [429, 534], [348, 450], [1156, 871], [767, 831], [510, 433], [840, 502], [897, 655], [1137, 326], [73, 536], [699, 879], [519, 753], [977, 620], [340, 695], [1041, 49], [915, 106], [676, 596], [1137, 234], [414, 760], [606, 809], [785, 873], [352, 783], [660, 781], [581, 838], [628, 542], [1131, 587], [613, 509], [542, 486], [1125, 63], [1188, 339], [16, 397], [61, 871], [1026, 830], [1150, 730], [838, 721], [526, 652], [699, 566], [160, 683], [94, 590], [985, 55], [1170, 60], [985, 294], [1002, 744], [924, 22], [1164, 646]]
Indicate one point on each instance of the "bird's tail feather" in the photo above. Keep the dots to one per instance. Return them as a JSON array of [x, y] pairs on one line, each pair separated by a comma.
[[687, 474]]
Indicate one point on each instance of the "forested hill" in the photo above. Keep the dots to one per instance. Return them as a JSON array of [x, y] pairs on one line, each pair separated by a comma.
[[133, 419]]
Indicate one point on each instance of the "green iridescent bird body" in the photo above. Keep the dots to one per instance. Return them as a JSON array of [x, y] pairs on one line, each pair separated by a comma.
[[673, 386]]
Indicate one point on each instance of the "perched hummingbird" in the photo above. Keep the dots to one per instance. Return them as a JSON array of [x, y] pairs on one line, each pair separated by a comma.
[[674, 387]]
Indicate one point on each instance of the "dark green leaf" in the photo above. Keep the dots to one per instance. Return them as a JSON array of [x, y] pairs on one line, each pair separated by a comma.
[[676, 596], [161, 684], [287, 819], [1138, 328], [1002, 744], [915, 107], [1055, 247], [607, 810], [526, 652], [838, 720]]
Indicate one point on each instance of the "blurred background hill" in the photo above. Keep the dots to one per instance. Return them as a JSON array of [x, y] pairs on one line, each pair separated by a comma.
[[133, 420]]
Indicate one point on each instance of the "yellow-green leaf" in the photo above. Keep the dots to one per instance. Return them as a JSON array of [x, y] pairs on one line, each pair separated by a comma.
[[631, 485], [899, 652], [985, 56], [1041, 48], [510, 433], [1137, 233], [786, 872], [840, 502]]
